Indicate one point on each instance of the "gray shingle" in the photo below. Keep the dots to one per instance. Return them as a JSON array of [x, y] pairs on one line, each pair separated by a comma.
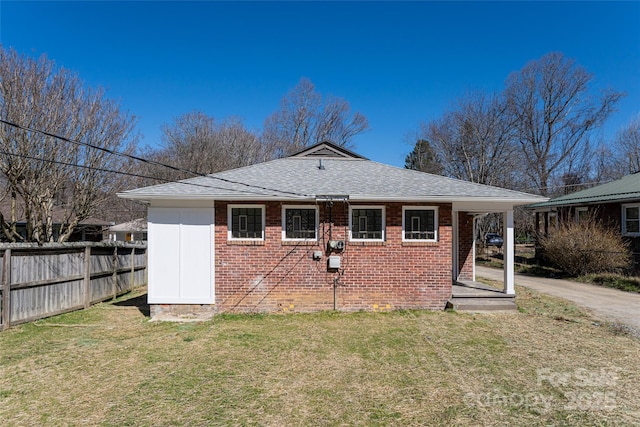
[[301, 178]]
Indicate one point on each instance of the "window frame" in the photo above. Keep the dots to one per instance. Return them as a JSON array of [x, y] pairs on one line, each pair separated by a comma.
[[230, 209], [624, 220], [383, 233], [552, 219], [420, 208], [284, 222], [579, 210]]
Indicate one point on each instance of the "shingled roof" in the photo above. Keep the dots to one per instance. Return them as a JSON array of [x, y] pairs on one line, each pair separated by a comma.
[[621, 190], [325, 170]]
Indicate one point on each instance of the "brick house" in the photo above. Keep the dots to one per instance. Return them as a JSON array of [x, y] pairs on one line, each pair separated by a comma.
[[615, 204], [322, 229]]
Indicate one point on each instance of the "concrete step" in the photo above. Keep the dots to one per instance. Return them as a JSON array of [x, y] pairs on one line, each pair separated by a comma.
[[470, 293], [482, 304]]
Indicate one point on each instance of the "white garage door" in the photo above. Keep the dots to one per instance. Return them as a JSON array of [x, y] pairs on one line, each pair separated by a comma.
[[181, 255]]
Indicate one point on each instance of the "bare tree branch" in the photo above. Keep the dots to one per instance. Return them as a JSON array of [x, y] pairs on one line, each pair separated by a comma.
[[57, 196], [305, 119], [474, 141], [197, 143], [554, 114], [627, 145]]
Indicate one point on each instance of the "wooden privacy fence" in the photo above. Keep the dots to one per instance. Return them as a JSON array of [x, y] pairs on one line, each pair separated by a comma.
[[43, 281]]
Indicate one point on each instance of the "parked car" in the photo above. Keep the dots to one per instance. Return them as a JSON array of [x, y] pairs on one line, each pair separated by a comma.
[[493, 239]]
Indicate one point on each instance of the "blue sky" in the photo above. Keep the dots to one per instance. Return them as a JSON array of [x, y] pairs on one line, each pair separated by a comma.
[[397, 63]]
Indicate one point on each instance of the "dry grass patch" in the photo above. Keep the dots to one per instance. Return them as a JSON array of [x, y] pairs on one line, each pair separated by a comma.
[[548, 364]]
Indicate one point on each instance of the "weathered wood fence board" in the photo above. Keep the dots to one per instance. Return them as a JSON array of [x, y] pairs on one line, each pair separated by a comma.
[[43, 281]]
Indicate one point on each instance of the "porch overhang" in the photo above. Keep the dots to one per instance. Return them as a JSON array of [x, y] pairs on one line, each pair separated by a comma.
[[478, 208]]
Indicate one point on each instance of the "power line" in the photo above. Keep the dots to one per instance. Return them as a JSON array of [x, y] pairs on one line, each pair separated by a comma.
[[24, 156], [140, 159], [96, 147], [581, 184]]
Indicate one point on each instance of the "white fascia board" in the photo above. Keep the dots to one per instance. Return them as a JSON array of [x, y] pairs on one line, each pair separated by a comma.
[[155, 198], [475, 202], [487, 205], [183, 203], [497, 204]]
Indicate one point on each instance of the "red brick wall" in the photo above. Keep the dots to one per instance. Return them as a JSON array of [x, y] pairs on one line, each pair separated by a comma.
[[465, 248], [283, 276]]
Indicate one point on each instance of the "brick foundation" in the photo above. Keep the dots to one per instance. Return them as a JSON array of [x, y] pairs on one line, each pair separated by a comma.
[[182, 312]]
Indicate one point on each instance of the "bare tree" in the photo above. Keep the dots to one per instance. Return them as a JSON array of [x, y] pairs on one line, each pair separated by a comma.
[[627, 146], [578, 170], [195, 142], [53, 184], [554, 113], [305, 118], [604, 165], [474, 140]]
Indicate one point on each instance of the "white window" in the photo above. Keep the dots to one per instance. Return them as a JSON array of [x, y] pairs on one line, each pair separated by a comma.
[[631, 220], [552, 222], [420, 223], [246, 222], [367, 223], [582, 214], [299, 223]]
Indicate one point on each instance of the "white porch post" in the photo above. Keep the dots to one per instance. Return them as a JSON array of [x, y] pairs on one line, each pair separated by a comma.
[[473, 274], [508, 252], [455, 268]]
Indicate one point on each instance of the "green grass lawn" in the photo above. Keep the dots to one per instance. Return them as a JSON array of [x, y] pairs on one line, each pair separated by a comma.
[[526, 264], [616, 281], [548, 364]]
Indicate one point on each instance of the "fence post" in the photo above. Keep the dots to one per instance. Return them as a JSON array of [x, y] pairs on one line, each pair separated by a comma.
[[114, 285], [146, 265], [133, 268], [6, 290], [87, 276]]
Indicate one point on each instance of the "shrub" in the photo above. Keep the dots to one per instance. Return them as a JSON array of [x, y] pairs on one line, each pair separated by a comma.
[[586, 247]]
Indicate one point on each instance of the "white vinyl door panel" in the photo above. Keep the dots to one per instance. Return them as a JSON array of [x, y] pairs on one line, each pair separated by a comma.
[[196, 255], [181, 256]]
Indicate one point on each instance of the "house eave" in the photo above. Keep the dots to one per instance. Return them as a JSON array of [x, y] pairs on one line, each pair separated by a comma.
[[466, 200], [553, 205]]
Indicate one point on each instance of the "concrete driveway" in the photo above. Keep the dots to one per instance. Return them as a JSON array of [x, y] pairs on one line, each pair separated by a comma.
[[604, 303]]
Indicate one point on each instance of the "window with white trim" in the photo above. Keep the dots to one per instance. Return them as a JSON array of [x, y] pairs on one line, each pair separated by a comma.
[[582, 214], [299, 223], [552, 219], [420, 223], [367, 223], [246, 222], [631, 220]]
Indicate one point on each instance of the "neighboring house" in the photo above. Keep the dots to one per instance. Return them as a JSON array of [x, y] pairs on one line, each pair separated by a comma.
[[89, 230], [322, 229], [615, 204], [132, 231]]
